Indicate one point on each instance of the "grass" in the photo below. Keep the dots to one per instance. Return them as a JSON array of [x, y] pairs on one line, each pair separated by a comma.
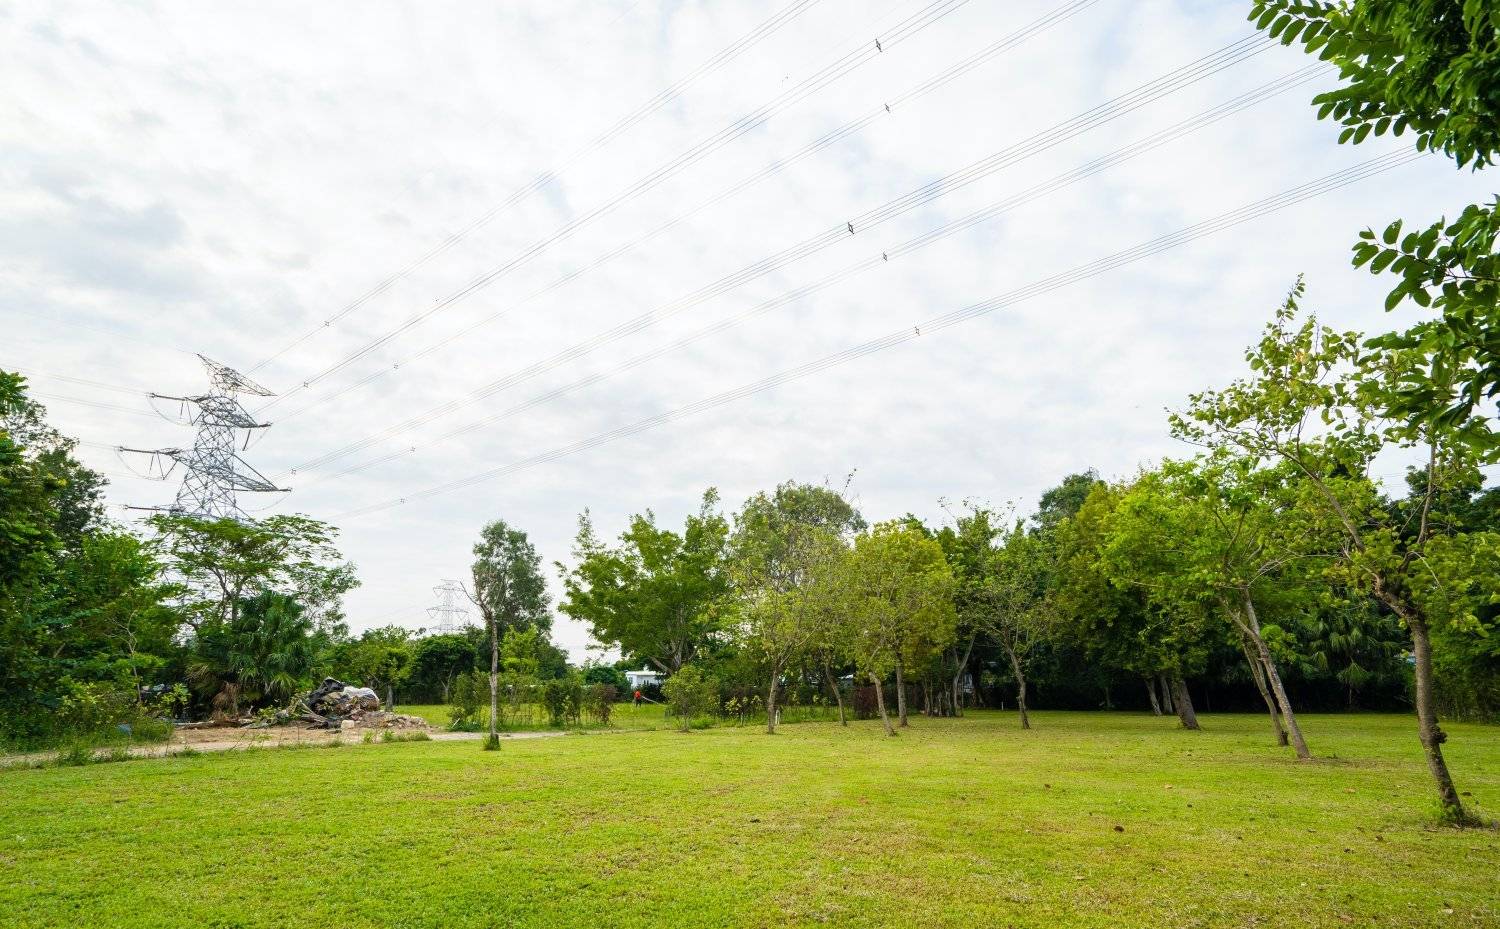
[[1088, 820], [624, 716]]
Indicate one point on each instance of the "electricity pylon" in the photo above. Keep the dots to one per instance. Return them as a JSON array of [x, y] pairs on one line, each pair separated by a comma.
[[448, 616], [213, 471]]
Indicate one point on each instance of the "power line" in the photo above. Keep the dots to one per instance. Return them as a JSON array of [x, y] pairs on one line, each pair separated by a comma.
[[884, 109], [667, 95], [826, 76], [883, 257], [1171, 82], [1257, 209]]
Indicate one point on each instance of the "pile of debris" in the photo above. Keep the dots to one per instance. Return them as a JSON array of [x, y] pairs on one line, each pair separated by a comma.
[[336, 705]]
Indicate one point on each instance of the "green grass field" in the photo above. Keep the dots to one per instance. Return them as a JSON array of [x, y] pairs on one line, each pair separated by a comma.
[[1088, 820], [624, 716]]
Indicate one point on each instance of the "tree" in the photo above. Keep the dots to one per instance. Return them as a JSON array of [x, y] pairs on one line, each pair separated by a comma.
[[691, 693], [1431, 67], [1012, 595], [510, 593], [1304, 376], [81, 600], [437, 661], [1115, 623], [655, 595], [781, 548], [379, 659], [224, 562], [262, 651], [900, 590], [1216, 535]]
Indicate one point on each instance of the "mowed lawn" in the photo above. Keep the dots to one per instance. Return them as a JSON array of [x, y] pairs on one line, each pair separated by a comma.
[[624, 716], [1088, 820]]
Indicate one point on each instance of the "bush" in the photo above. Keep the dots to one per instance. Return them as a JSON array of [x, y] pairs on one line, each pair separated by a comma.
[[601, 701], [94, 708], [563, 698], [691, 693], [468, 694]]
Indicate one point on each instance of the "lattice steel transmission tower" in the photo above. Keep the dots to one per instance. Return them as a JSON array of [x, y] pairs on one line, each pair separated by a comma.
[[213, 471], [449, 615]]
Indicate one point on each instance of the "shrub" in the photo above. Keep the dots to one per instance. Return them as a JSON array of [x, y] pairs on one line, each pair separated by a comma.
[[601, 701], [93, 708], [691, 693], [563, 698], [468, 693]]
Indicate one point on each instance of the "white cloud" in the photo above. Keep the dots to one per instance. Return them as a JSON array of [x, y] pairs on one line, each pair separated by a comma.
[[177, 178]]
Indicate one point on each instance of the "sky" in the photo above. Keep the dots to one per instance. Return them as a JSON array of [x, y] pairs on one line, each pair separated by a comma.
[[410, 218]]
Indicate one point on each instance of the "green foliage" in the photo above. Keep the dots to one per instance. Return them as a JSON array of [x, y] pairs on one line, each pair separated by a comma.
[[690, 693], [379, 658], [224, 563], [81, 601], [599, 700], [1454, 269], [509, 588], [656, 594], [262, 651], [1431, 67], [899, 598], [563, 699], [467, 695], [437, 661], [596, 673]]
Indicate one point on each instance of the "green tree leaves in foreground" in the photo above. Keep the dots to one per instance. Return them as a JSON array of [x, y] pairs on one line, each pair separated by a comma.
[[1432, 68]]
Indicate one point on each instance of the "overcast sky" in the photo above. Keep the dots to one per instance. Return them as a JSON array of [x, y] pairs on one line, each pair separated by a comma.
[[225, 178]]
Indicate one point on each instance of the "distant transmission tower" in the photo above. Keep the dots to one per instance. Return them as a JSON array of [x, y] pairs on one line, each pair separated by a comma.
[[213, 471], [449, 615]]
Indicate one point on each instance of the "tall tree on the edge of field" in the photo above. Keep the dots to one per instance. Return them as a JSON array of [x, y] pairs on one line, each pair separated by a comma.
[[1014, 594], [967, 546], [1430, 67], [1218, 534], [510, 593], [1304, 376], [1114, 623], [901, 592], [657, 594], [782, 548]]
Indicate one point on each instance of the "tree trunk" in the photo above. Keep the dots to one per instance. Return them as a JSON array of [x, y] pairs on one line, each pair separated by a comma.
[[958, 676], [771, 702], [928, 708], [1151, 692], [900, 694], [1184, 703], [1299, 744], [1166, 694], [880, 705], [1258, 673], [494, 741], [1015, 669], [838, 695], [1428, 730]]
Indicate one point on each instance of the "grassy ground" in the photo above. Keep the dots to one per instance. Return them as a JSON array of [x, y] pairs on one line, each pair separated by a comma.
[[624, 716], [1088, 820]]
